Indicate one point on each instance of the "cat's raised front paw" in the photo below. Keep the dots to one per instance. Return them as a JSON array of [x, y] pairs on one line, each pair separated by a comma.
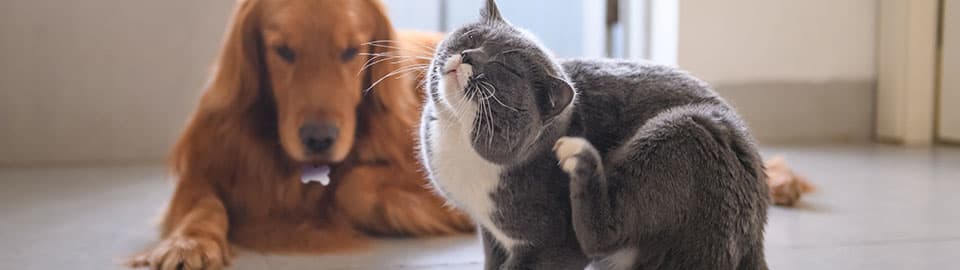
[[568, 150]]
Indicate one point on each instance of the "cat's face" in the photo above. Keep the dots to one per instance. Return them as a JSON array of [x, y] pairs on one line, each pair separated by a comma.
[[500, 84]]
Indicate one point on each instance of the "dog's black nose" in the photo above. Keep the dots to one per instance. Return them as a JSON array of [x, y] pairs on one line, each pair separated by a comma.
[[318, 137]]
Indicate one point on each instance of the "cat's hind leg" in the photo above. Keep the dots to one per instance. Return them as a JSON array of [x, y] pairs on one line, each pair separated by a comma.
[[687, 185]]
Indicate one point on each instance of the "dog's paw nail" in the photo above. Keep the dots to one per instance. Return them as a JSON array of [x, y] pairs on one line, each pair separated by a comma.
[[183, 253]]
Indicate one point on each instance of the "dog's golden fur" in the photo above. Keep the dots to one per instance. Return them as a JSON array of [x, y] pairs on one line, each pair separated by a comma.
[[238, 162]]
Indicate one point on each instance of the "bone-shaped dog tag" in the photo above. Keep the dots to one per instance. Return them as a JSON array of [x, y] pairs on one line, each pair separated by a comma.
[[319, 174]]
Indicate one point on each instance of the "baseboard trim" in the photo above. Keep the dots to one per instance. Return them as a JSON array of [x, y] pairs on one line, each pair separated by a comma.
[[797, 112]]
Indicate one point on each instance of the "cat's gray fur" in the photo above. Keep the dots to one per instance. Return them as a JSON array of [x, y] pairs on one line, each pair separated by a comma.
[[655, 170]]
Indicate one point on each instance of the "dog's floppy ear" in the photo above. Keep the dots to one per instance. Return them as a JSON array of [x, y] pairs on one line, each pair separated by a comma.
[[238, 75], [233, 89], [385, 81], [387, 113]]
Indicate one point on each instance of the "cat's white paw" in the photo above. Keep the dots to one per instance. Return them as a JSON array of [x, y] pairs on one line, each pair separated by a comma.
[[567, 149]]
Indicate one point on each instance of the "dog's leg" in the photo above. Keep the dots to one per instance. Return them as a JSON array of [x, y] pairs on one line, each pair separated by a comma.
[[305, 236], [385, 200], [194, 232]]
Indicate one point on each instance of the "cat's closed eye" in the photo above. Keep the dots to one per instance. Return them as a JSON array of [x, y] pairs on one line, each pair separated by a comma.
[[472, 40]]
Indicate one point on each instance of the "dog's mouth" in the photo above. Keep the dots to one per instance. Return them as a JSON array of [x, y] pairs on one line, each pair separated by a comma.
[[317, 160]]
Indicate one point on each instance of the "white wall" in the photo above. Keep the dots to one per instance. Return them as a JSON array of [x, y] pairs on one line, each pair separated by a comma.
[[778, 40], [415, 14], [557, 23], [798, 70], [101, 80]]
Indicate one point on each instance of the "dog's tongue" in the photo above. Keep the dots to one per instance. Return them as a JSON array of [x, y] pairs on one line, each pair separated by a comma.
[[312, 173]]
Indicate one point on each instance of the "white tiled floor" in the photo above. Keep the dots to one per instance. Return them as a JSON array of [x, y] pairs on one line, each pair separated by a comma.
[[878, 207]]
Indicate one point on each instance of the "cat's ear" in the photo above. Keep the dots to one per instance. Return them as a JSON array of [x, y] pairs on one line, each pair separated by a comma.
[[559, 95], [490, 12]]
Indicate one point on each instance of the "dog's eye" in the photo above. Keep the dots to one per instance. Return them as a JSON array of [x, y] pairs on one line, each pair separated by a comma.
[[286, 53], [348, 54]]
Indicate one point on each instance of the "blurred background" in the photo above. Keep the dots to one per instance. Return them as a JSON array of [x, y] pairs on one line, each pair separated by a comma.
[[861, 96], [114, 81]]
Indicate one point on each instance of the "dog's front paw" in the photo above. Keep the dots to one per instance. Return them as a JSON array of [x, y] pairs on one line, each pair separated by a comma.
[[183, 253], [570, 151]]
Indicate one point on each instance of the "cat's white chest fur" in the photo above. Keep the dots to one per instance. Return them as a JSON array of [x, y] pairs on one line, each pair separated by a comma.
[[464, 176]]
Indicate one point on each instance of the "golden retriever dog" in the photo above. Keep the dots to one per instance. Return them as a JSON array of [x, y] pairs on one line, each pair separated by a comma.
[[299, 83]]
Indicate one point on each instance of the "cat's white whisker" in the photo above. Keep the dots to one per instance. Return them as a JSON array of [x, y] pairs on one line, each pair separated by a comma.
[[379, 58], [504, 105], [478, 115], [426, 48], [386, 45], [493, 94], [486, 118], [398, 71], [375, 62], [371, 59], [490, 123], [488, 112], [402, 60], [410, 50], [396, 56]]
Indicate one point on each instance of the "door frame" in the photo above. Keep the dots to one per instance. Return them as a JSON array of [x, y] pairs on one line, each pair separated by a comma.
[[908, 68], [949, 61]]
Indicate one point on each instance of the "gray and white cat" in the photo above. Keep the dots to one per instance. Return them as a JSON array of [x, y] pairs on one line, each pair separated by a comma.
[[639, 166]]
